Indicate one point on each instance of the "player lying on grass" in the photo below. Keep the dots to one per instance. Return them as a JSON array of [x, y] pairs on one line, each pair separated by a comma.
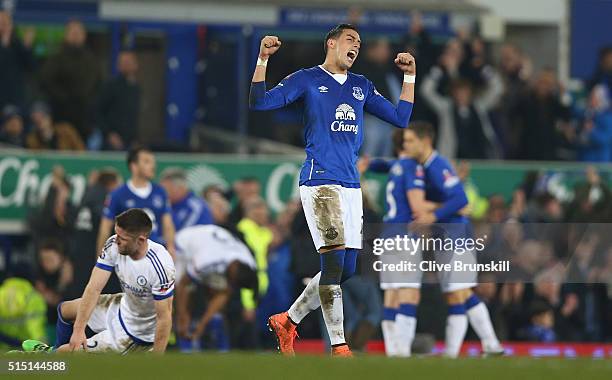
[[218, 260], [334, 102], [138, 319]]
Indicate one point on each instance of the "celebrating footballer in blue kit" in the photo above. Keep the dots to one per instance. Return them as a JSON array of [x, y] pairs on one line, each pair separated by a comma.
[[334, 102]]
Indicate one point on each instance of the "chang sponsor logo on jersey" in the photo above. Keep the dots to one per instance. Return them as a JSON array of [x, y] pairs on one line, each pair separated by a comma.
[[344, 115]]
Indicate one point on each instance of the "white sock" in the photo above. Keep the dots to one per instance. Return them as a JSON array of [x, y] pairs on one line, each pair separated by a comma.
[[481, 323], [307, 301], [331, 306], [405, 326], [389, 337], [456, 327]]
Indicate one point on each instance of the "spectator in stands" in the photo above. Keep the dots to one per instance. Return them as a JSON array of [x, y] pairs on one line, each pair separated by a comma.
[[376, 65], [592, 201], [603, 73], [244, 189], [464, 127], [219, 208], [119, 105], [15, 61], [515, 69], [594, 140], [542, 322], [540, 114], [83, 241], [49, 135], [187, 208], [11, 132], [70, 79], [54, 276], [55, 218]]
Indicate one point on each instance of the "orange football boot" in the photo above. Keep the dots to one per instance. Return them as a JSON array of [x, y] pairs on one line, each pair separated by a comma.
[[285, 332], [342, 351]]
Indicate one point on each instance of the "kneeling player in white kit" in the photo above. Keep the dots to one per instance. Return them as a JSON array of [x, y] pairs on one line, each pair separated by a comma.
[[138, 319], [218, 260]]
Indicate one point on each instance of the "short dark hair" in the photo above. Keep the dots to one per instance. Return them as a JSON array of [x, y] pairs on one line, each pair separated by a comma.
[[107, 177], [398, 141], [135, 221], [52, 244], [336, 32], [134, 153], [423, 129], [246, 277]]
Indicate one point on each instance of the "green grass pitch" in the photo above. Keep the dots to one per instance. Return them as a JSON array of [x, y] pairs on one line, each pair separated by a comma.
[[268, 366]]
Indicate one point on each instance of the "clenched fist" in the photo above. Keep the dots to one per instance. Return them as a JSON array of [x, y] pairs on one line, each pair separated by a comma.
[[269, 45], [406, 63]]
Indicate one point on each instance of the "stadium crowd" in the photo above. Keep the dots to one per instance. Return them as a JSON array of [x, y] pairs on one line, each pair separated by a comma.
[[487, 101], [482, 110]]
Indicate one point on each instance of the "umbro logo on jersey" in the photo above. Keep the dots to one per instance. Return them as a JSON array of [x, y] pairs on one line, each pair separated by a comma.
[[323, 89]]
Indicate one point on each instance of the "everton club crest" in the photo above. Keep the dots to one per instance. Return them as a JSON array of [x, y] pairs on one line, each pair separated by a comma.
[[358, 93]]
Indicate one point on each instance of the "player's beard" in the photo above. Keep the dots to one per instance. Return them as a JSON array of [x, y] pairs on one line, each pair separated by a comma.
[[128, 251]]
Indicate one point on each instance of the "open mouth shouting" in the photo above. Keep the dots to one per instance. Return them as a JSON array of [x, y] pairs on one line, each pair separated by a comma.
[[352, 55]]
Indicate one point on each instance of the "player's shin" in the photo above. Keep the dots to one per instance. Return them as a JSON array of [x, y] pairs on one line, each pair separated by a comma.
[[388, 330], [405, 327], [306, 302], [350, 264], [330, 295], [63, 328], [478, 316], [456, 327]]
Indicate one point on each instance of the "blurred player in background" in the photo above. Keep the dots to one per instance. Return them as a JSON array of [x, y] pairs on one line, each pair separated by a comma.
[[187, 208], [405, 194], [140, 192], [443, 187], [138, 319], [334, 104], [220, 262]]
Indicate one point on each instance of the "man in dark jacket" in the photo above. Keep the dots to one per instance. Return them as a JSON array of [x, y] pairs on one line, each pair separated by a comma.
[[83, 241], [119, 105], [15, 60], [70, 79]]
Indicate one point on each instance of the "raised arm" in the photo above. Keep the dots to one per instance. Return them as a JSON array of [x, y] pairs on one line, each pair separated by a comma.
[[428, 89], [493, 90], [382, 108], [288, 91]]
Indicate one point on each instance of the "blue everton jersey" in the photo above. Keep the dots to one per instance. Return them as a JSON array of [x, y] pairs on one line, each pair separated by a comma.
[[156, 204], [333, 119], [442, 185], [191, 211], [405, 174]]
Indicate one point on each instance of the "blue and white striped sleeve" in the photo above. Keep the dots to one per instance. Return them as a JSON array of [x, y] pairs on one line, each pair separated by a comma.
[[108, 257], [162, 279]]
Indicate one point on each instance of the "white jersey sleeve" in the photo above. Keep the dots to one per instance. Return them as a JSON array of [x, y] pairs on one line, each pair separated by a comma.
[[162, 282], [108, 256]]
